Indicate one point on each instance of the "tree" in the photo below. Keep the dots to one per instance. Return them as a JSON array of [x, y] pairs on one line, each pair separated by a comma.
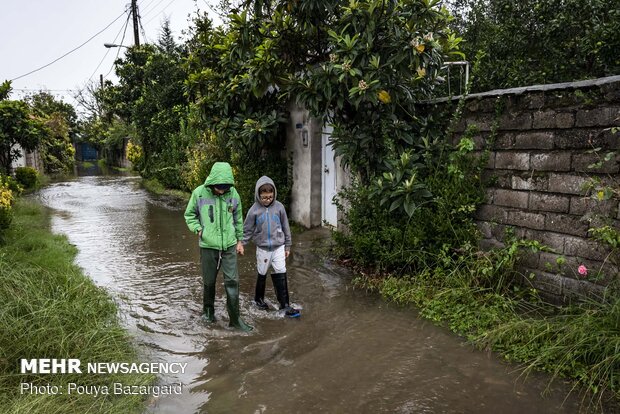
[[19, 129], [359, 65], [60, 121], [544, 41], [150, 98]]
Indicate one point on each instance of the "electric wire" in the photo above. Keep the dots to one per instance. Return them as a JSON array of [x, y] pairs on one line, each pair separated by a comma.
[[147, 5], [212, 9], [161, 11], [108, 50], [69, 52], [119, 49], [146, 13]]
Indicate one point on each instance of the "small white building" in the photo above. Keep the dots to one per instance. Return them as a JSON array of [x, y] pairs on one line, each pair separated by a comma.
[[317, 174], [27, 159]]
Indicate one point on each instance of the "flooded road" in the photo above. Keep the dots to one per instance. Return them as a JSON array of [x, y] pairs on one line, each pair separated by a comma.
[[349, 352]]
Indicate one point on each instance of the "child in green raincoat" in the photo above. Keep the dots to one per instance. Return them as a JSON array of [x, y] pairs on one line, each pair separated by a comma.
[[214, 214]]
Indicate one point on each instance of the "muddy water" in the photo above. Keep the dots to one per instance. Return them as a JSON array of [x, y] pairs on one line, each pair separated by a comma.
[[349, 352]]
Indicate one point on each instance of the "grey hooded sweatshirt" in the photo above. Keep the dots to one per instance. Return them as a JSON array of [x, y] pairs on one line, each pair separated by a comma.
[[267, 226]]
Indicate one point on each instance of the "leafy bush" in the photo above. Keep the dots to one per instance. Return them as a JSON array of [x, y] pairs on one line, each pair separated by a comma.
[[135, 154], [201, 155], [6, 203], [548, 41], [410, 239], [28, 177], [247, 172]]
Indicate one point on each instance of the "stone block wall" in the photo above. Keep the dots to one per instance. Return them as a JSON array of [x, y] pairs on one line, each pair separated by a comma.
[[542, 141]]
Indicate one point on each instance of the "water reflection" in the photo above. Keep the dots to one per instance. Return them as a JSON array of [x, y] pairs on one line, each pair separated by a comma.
[[349, 352]]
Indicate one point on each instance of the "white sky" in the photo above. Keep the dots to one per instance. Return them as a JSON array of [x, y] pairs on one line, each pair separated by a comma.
[[34, 33]]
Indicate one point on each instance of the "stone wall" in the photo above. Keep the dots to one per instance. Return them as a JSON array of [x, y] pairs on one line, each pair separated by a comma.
[[543, 142]]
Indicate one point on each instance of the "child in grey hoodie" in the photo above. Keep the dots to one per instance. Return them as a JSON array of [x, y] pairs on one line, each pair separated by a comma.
[[266, 224]]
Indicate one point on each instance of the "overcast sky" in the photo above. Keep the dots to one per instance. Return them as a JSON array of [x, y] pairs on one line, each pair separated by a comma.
[[34, 33]]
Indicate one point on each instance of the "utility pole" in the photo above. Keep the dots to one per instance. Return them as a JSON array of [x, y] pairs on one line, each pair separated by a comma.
[[134, 12], [101, 80]]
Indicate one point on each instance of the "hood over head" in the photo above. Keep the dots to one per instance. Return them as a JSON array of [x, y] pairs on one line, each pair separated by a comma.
[[221, 173], [262, 181]]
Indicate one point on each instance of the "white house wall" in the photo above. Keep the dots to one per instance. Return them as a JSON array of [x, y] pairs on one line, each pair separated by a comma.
[[305, 207], [307, 190]]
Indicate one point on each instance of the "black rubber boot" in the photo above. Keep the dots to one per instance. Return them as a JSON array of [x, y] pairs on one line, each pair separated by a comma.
[[232, 303], [280, 285], [208, 303], [259, 295]]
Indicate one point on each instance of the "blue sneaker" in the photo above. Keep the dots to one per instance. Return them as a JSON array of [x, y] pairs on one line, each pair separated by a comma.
[[291, 312]]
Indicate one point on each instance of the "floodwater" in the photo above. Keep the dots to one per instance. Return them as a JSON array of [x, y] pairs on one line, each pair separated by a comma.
[[350, 352]]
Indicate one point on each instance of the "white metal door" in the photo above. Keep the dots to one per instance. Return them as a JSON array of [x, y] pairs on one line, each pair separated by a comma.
[[330, 212]]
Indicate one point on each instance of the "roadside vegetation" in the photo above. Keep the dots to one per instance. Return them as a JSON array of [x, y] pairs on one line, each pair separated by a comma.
[[50, 309], [430, 259], [364, 66]]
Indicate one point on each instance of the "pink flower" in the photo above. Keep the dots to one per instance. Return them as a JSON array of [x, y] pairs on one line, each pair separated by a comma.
[[582, 270]]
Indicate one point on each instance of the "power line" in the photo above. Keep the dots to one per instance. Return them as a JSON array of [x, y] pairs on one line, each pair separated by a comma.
[[69, 52], [119, 49], [147, 5], [146, 13], [161, 11], [212, 9], [25, 90], [108, 50]]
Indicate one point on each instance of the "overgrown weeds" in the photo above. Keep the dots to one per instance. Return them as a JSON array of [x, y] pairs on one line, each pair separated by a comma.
[[51, 310], [580, 342], [430, 259]]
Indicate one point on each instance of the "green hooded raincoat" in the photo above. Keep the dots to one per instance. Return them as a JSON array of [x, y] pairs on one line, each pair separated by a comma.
[[218, 216]]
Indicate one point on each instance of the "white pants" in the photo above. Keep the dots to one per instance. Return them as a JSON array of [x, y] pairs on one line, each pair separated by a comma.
[[275, 258]]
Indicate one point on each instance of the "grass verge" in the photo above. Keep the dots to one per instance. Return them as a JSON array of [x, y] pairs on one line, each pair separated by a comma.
[[580, 342], [50, 309], [155, 187]]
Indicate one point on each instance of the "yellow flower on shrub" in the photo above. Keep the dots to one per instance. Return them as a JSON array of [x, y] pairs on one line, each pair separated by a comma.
[[193, 171], [6, 197], [6, 200], [417, 44], [421, 72], [384, 96], [134, 152]]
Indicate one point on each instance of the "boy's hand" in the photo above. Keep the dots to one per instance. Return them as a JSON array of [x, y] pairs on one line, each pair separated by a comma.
[[286, 253], [240, 248]]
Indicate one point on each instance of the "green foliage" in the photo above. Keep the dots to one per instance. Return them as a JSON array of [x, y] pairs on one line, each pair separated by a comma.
[[59, 121], [5, 90], [384, 233], [237, 100], [249, 171], [18, 127], [399, 188], [201, 155], [112, 141], [382, 58], [49, 307], [545, 41], [360, 65], [151, 105], [471, 291], [608, 235], [604, 189], [579, 342], [28, 177], [7, 198], [472, 295]]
